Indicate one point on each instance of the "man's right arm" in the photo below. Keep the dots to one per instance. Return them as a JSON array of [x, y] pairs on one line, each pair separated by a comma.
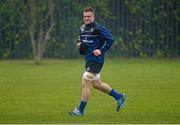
[[82, 46], [78, 42]]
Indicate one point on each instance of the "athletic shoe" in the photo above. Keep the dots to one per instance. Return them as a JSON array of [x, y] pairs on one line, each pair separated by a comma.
[[120, 102], [76, 112]]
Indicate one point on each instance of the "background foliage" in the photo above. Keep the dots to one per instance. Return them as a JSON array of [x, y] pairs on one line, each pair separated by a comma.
[[142, 28]]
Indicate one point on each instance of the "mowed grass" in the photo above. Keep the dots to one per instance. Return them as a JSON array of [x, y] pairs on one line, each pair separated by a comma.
[[46, 93]]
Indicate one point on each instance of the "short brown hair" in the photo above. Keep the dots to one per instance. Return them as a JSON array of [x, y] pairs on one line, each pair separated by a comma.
[[88, 9]]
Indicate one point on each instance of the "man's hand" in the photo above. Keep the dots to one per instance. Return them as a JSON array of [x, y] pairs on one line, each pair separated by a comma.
[[78, 44], [97, 52], [83, 48]]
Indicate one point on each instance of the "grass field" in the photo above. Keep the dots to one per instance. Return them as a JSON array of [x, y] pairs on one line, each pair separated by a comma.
[[47, 92]]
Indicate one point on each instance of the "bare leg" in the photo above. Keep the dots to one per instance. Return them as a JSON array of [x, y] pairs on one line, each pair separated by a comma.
[[85, 97], [104, 87], [85, 89]]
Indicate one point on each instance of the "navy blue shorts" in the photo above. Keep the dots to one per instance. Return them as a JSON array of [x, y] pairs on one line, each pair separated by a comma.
[[93, 67]]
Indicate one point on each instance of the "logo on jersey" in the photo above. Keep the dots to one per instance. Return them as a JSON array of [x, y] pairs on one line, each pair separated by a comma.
[[87, 41], [92, 30]]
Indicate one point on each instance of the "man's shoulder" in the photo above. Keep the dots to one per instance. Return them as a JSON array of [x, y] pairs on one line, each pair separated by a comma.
[[98, 25], [82, 26]]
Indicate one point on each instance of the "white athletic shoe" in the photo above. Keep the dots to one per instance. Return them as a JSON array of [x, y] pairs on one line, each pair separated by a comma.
[[120, 102], [75, 112]]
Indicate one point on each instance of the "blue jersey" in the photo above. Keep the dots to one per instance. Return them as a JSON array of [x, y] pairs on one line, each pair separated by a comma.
[[95, 36]]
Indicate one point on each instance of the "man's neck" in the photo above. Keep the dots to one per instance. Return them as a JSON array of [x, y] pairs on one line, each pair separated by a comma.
[[90, 24]]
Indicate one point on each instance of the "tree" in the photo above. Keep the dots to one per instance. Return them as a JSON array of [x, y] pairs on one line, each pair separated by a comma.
[[37, 16]]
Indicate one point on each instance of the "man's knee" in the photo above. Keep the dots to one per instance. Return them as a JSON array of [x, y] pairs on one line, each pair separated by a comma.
[[96, 86], [85, 83]]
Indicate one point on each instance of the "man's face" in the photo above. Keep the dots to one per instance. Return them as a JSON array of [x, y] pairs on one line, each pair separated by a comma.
[[88, 17]]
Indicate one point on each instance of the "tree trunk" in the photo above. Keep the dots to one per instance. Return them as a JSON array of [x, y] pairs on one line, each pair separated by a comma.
[[38, 43], [37, 59]]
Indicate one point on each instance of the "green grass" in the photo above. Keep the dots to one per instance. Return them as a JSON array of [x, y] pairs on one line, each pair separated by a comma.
[[47, 92]]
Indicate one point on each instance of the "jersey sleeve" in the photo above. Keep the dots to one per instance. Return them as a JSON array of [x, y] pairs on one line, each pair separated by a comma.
[[106, 34]]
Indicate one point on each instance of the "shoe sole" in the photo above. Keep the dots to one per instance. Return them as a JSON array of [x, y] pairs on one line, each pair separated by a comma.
[[71, 114], [120, 106], [74, 115]]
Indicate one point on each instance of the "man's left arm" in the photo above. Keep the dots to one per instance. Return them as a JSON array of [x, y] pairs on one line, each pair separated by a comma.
[[108, 39]]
